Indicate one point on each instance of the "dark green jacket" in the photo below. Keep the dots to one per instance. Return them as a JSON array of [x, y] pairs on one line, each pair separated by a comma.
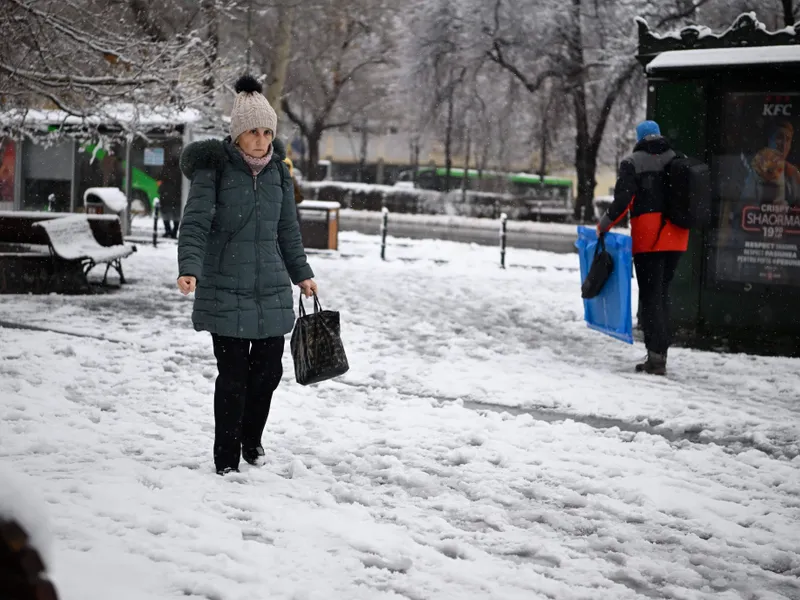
[[240, 238]]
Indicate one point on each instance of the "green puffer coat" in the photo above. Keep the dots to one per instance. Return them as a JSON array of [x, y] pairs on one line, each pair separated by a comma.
[[240, 238]]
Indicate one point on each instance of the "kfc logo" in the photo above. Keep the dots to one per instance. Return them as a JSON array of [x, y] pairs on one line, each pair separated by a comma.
[[777, 106]]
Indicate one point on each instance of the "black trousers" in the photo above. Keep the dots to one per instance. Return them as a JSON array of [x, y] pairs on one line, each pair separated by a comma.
[[249, 373], [654, 271], [171, 227]]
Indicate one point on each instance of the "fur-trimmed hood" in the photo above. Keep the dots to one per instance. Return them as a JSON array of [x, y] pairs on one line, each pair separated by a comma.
[[213, 154]]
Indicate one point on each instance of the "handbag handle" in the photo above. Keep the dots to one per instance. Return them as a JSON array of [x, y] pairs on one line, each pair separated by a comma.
[[601, 244], [317, 305]]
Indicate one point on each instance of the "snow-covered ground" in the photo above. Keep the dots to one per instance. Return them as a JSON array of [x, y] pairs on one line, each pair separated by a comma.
[[391, 482]]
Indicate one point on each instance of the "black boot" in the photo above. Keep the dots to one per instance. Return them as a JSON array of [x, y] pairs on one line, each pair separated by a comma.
[[253, 455], [227, 470], [654, 364]]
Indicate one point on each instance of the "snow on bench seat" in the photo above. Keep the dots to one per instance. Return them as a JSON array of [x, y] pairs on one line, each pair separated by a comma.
[[72, 239]]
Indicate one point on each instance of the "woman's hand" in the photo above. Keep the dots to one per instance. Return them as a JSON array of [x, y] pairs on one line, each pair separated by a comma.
[[187, 284], [308, 287]]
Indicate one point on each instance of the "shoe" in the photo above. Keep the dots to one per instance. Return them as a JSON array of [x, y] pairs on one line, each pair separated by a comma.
[[22, 571], [227, 470], [253, 455], [654, 364]]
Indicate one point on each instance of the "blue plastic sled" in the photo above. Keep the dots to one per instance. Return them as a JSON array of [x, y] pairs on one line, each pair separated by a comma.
[[610, 311]]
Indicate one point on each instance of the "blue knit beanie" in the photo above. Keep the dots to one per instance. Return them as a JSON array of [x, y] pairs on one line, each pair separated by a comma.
[[646, 128]]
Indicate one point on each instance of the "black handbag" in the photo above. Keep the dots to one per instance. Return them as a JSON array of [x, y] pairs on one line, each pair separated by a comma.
[[316, 345], [599, 272]]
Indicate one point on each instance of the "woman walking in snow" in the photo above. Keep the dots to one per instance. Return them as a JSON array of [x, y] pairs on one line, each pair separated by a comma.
[[240, 250]]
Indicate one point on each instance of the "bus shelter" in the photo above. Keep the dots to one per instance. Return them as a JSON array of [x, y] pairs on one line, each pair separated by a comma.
[[733, 100], [61, 156]]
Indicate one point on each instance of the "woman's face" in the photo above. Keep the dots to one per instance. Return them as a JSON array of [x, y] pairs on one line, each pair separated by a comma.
[[255, 142]]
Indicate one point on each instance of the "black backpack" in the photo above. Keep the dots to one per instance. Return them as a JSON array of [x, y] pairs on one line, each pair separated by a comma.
[[689, 192]]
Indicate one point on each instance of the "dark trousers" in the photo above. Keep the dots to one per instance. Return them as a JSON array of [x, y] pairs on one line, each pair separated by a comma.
[[654, 271], [249, 373], [171, 228]]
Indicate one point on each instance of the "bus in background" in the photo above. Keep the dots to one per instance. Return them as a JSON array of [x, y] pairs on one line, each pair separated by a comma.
[[555, 191]]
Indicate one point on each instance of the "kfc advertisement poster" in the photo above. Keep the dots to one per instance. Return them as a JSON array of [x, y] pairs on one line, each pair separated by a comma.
[[759, 185]]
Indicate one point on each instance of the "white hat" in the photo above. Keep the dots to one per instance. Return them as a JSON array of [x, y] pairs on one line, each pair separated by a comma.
[[250, 108]]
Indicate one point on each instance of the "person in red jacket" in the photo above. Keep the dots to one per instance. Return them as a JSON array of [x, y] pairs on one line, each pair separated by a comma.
[[642, 188]]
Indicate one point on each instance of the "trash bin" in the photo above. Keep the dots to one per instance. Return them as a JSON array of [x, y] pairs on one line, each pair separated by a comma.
[[319, 224], [104, 200], [93, 205]]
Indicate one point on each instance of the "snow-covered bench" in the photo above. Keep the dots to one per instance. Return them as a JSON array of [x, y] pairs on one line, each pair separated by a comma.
[[70, 238]]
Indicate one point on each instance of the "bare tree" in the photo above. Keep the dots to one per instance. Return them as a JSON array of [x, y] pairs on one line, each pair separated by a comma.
[[444, 68], [564, 60], [789, 12], [550, 125], [349, 42], [588, 48], [81, 55], [415, 116], [771, 12], [210, 25], [283, 47]]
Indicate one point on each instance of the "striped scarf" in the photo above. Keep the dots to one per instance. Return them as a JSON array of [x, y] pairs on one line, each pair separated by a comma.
[[256, 164]]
